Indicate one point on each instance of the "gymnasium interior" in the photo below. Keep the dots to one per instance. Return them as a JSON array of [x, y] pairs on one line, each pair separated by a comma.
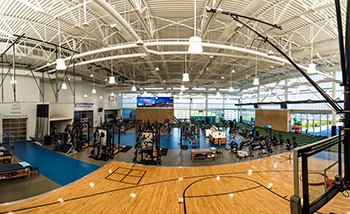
[[186, 106]]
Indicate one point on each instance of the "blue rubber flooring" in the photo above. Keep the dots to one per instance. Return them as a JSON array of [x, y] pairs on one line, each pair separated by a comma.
[[57, 167], [171, 141]]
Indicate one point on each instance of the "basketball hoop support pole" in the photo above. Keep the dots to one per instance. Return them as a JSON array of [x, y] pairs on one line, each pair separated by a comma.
[[345, 60]]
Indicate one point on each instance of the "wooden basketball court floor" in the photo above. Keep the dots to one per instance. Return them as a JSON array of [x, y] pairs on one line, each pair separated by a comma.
[[259, 186]]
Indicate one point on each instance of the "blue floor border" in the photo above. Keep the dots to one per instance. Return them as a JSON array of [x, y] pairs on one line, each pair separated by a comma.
[[57, 167]]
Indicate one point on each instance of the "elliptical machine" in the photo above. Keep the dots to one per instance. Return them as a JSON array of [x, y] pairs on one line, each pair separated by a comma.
[[291, 145]]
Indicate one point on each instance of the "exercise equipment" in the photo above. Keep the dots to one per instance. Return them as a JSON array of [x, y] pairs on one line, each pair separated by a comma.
[[233, 126], [291, 145], [166, 127], [104, 147], [147, 147]]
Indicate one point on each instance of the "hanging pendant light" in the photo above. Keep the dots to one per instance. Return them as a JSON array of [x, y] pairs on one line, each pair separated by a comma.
[[256, 79], [93, 84], [60, 63], [112, 94], [311, 68], [85, 95], [270, 53], [231, 89], [185, 77], [64, 86], [111, 78], [85, 24], [195, 41], [133, 88], [139, 42], [183, 88]]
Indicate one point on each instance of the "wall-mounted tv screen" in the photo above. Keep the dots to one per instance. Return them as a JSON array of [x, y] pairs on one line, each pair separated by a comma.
[[164, 102], [146, 102]]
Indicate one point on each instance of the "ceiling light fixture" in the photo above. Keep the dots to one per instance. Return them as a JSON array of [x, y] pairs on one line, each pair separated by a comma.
[[93, 84], [64, 86], [85, 95], [111, 78], [183, 88], [195, 41], [112, 94], [133, 88], [233, 71], [60, 64], [231, 89], [311, 68], [256, 79], [270, 53], [186, 76], [157, 69], [85, 24], [139, 42]]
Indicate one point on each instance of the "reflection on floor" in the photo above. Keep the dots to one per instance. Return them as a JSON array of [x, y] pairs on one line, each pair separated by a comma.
[[259, 186]]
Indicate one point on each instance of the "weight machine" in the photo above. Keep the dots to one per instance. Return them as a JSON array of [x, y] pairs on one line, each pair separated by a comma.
[[147, 147]]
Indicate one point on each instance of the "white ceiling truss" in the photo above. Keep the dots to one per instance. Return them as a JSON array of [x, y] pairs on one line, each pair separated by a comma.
[[165, 26]]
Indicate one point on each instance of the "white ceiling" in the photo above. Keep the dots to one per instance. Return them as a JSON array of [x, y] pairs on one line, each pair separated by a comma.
[[165, 26]]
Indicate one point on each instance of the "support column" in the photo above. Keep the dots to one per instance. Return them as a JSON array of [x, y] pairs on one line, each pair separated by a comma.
[[334, 94]]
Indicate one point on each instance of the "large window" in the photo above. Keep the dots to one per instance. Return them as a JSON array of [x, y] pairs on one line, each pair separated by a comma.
[[313, 123], [129, 113], [248, 116], [182, 114]]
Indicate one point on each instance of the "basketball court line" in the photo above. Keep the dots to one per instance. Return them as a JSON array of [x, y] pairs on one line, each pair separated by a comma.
[[147, 184]]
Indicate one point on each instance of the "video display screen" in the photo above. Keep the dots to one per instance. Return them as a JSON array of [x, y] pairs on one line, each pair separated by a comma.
[[146, 102], [165, 102]]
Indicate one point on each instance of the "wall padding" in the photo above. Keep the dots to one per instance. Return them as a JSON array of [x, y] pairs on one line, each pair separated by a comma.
[[278, 119], [153, 115]]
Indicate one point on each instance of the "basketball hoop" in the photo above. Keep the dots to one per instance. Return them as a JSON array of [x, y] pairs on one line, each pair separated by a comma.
[[315, 183]]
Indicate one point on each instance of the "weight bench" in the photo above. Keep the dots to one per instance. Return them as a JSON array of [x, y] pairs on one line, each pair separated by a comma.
[[15, 170]]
